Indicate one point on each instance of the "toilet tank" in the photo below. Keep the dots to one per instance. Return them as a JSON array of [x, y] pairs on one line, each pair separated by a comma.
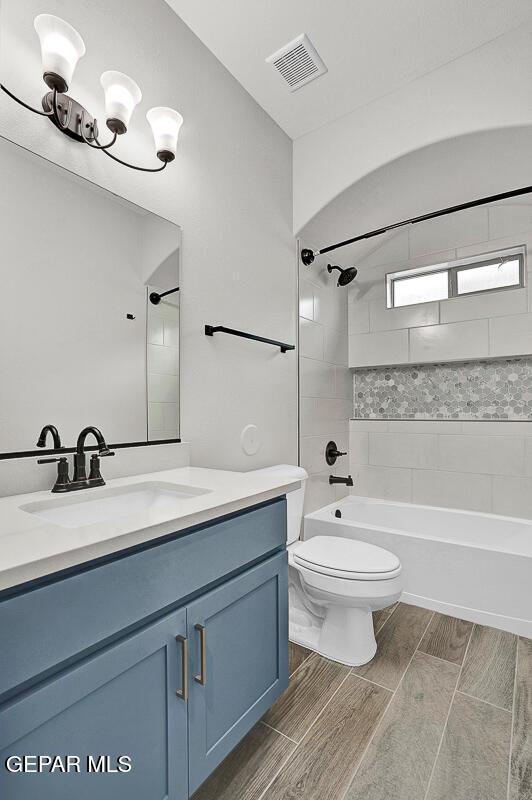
[[294, 500]]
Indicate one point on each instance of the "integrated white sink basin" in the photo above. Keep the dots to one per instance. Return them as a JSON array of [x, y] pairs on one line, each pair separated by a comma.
[[91, 506]]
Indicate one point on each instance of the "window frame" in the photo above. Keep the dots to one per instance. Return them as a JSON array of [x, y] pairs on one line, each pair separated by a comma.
[[452, 268]]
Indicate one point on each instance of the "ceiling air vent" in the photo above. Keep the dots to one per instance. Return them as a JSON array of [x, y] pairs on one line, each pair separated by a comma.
[[298, 62]]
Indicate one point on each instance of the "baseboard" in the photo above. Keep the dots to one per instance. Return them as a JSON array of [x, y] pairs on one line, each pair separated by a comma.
[[521, 627]]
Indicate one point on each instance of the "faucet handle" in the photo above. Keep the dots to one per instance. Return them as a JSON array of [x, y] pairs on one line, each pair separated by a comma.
[[62, 481], [106, 453], [95, 476]]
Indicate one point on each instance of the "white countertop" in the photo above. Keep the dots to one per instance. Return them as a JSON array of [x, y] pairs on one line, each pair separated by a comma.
[[31, 547]]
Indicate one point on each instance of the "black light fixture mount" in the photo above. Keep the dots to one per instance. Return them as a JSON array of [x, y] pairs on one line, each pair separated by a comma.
[[61, 49]]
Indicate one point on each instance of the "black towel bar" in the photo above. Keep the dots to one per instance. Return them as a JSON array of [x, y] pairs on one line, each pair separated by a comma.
[[210, 330]]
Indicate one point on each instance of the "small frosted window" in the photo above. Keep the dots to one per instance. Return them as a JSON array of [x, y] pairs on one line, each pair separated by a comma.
[[421, 289], [496, 275]]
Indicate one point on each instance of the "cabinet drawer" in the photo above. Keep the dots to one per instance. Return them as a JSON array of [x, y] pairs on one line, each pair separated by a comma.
[[49, 625]]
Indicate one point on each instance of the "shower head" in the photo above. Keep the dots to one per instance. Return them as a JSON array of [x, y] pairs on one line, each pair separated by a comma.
[[346, 275]]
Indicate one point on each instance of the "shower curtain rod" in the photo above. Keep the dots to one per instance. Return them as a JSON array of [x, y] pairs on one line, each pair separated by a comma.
[[308, 256]]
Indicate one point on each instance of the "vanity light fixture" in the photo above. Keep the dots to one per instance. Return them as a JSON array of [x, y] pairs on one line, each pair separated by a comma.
[[61, 49]]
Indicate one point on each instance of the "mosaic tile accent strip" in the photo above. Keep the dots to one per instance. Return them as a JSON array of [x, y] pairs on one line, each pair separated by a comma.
[[473, 390]]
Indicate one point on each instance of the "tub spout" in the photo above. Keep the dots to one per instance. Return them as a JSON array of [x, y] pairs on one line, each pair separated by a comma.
[[348, 481]]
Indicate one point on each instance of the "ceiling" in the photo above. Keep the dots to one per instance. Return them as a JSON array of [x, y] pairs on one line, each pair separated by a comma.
[[370, 48]]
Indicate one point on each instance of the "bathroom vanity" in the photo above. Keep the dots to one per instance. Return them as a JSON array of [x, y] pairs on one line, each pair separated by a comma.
[[164, 650]]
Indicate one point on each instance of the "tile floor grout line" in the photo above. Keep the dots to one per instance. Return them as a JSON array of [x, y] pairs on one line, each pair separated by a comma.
[[374, 683], [387, 619], [276, 775], [294, 741], [303, 662], [425, 796], [362, 757], [394, 691], [481, 700], [438, 658], [325, 706], [425, 629], [508, 782], [298, 744]]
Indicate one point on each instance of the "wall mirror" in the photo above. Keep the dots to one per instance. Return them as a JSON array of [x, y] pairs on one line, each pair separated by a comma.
[[81, 342]]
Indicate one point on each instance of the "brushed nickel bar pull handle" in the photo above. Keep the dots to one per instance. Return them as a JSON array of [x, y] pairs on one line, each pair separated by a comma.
[[202, 677], [183, 693]]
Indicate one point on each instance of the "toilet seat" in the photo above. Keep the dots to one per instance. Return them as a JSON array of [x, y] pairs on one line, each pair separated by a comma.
[[349, 559]]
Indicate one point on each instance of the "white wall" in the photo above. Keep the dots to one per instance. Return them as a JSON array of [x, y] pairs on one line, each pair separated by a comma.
[[484, 90], [325, 381], [230, 189]]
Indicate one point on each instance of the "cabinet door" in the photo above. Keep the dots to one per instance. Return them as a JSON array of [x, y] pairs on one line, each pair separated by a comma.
[[119, 702], [238, 637]]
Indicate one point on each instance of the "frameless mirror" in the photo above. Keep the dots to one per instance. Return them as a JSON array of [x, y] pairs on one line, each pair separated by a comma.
[[81, 342]]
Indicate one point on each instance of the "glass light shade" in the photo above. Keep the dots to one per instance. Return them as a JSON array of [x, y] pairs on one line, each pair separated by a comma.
[[121, 96], [165, 124], [61, 49]]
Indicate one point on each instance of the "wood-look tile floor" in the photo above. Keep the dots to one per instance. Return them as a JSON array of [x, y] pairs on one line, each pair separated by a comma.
[[443, 712]]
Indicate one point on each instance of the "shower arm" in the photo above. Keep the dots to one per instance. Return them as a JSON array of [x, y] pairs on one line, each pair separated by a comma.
[[156, 297], [308, 256]]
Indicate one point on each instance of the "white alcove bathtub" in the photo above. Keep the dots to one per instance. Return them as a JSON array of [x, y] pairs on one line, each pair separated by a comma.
[[466, 564]]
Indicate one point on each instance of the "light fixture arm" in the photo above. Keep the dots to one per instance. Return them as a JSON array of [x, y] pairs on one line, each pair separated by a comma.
[[25, 105], [131, 166], [51, 113], [63, 123]]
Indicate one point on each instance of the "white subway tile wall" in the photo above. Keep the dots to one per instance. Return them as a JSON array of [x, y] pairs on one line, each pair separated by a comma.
[[480, 466], [438, 437], [387, 319], [378, 348], [326, 384], [403, 450], [511, 335], [479, 306], [458, 434], [495, 324], [448, 342]]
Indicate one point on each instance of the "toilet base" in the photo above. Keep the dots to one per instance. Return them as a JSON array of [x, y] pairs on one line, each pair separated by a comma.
[[346, 635]]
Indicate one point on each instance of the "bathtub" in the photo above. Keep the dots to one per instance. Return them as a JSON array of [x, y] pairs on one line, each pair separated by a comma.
[[470, 565]]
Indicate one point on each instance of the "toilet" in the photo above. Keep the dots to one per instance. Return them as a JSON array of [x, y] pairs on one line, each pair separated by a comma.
[[335, 584]]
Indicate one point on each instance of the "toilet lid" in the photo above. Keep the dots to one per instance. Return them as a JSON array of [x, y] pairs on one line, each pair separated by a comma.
[[345, 557]]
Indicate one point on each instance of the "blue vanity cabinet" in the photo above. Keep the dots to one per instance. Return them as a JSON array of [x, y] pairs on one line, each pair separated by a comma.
[[238, 637], [121, 702], [166, 655]]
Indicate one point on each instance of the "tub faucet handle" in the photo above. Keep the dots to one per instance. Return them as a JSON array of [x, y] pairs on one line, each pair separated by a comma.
[[332, 453]]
